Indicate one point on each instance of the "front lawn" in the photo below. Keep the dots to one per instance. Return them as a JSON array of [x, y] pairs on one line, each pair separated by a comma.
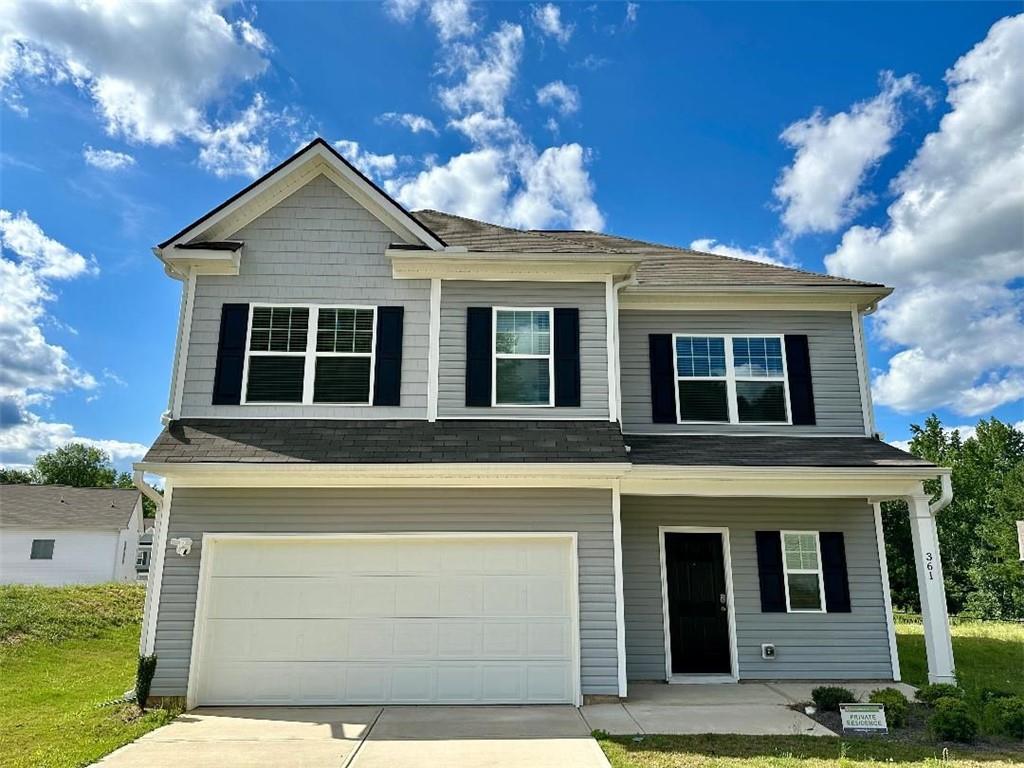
[[989, 655], [64, 651]]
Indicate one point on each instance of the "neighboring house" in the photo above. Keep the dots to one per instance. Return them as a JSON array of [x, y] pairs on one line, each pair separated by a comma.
[[145, 551], [412, 457], [59, 534]]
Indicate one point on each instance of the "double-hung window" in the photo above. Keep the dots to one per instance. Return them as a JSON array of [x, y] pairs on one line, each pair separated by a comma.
[[731, 379], [801, 561], [302, 354], [523, 359]]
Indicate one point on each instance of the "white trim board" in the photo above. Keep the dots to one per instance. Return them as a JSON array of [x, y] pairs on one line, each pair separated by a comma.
[[733, 675], [209, 546]]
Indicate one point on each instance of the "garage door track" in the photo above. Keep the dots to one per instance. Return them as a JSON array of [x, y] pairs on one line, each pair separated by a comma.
[[367, 737]]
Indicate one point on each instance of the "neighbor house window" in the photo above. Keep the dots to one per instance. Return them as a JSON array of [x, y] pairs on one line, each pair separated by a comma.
[[801, 562], [142, 558], [310, 355], [42, 549], [523, 362], [731, 379]]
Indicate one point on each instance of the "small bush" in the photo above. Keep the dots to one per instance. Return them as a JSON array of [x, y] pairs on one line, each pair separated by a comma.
[[143, 680], [952, 721], [896, 706], [991, 694], [1005, 716], [829, 697], [931, 693]]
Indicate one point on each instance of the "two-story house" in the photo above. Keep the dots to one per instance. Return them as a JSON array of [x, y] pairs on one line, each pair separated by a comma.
[[416, 458]]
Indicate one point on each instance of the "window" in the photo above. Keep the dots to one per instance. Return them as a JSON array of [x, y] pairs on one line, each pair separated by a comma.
[[801, 564], [731, 380], [142, 558], [42, 549], [293, 360], [523, 362]]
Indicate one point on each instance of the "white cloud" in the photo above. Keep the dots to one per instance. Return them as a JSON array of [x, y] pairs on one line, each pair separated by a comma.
[[377, 166], [954, 245], [548, 19], [107, 159], [153, 70], [489, 73], [557, 189], [240, 147], [558, 95], [710, 245], [415, 123], [631, 12], [821, 190], [451, 18], [473, 184], [31, 367]]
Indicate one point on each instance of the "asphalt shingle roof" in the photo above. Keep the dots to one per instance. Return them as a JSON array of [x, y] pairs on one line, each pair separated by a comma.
[[661, 266], [66, 507], [753, 451], [280, 441]]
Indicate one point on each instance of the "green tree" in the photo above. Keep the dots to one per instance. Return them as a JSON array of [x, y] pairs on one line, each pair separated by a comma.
[[77, 464], [15, 476], [977, 532]]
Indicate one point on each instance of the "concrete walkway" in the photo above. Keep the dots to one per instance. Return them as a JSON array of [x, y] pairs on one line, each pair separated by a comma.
[[744, 708], [367, 737]]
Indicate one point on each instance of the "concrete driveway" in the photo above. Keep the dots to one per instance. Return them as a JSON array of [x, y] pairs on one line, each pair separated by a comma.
[[367, 737]]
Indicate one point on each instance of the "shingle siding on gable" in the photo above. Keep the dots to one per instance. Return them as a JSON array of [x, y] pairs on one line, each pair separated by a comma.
[[457, 296], [833, 365], [316, 246]]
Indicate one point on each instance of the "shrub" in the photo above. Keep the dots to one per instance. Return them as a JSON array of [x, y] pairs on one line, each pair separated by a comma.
[[896, 706], [991, 694], [829, 697], [931, 693], [143, 679], [1005, 715], [952, 720]]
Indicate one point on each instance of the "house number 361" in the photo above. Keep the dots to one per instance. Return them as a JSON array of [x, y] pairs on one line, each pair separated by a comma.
[[929, 564]]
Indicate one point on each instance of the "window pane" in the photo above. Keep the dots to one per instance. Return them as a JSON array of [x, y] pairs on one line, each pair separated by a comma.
[[703, 401], [804, 592], [700, 356], [345, 330], [757, 357], [42, 549], [801, 551], [523, 332], [522, 381], [275, 379], [761, 400], [279, 329], [342, 380]]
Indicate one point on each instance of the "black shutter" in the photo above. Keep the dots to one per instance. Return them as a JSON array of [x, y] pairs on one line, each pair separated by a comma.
[[567, 357], [387, 372], [227, 380], [769, 571], [798, 367], [833, 572], [478, 356], [663, 379]]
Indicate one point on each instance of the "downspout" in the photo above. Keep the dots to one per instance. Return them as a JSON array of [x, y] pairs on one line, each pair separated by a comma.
[[630, 279], [138, 478], [945, 495]]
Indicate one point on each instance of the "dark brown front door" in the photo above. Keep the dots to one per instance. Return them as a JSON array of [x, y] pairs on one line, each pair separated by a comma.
[[698, 614]]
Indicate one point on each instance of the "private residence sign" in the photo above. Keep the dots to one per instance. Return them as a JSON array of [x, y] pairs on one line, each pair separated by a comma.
[[863, 718]]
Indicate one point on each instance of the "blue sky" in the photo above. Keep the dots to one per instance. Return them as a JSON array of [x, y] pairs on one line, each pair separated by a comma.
[[880, 141]]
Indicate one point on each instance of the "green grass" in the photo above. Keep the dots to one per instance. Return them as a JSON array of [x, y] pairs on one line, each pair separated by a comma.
[[64, 651], [988, 655]]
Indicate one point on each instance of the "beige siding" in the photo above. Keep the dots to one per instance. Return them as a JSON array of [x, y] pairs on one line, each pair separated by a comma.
[[824, 646], [195, 511], [833, 365], [457, 296], [317, 246]]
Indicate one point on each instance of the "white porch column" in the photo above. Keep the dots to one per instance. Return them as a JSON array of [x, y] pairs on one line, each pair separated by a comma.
[[937, 642]]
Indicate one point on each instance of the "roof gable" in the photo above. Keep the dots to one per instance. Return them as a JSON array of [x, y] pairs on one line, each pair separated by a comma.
[[316, 158]]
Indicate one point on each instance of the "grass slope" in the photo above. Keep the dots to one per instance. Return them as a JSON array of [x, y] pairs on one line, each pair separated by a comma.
[[63, 651]]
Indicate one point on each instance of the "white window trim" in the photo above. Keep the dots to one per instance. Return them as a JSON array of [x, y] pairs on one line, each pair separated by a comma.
[[309, 354], [731, 378], [495, 355], [786, 570], [142, 557]]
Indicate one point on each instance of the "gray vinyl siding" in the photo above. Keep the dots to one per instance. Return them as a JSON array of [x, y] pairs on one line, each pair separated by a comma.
[[457, 296], [317, 246], [321, 510], [834, 372], [820, 646]]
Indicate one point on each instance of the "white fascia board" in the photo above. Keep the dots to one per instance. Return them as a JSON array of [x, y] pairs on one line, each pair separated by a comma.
[[470, 265], [205, 261], [753, 298]]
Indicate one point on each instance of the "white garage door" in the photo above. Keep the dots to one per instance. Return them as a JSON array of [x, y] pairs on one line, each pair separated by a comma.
[[400, 619]]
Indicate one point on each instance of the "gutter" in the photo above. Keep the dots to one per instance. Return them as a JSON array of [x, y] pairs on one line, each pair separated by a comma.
[[945, 495]]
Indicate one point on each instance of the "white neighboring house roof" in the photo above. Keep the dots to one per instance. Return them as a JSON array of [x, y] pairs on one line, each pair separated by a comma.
[[50, 507]]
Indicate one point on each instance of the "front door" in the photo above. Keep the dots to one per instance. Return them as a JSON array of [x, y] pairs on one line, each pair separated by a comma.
[[698, 612]]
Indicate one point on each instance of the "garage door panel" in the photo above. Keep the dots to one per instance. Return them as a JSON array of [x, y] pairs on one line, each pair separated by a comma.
[[460, 620]]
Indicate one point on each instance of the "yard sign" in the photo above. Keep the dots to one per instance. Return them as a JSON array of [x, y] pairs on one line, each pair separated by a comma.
[[863, 718]]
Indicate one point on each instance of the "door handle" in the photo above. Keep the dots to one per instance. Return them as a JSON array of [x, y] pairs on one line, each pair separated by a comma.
[[721, 601]]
